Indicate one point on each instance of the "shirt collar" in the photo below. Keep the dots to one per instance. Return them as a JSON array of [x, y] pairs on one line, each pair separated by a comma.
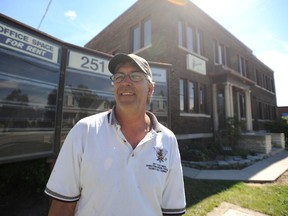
[[155, 124]]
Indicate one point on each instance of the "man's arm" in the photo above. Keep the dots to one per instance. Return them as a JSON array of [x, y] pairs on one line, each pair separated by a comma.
[[59, 208]]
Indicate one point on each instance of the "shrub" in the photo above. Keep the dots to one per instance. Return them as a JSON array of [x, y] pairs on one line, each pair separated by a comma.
[[24, 176], [278, 126]]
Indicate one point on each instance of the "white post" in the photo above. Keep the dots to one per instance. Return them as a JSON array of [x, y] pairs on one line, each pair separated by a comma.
[[248, 110], [215, 113], [228, 110]]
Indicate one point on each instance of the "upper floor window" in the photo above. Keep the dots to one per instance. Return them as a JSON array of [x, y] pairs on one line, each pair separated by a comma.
[[272, 85], [265, 81], [180, 33], [242, 66], [199, 42], [141, 35], [189, 37], [147, 33], [258, 78], [219, 53]]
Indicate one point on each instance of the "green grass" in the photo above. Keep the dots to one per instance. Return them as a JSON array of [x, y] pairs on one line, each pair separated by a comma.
[[203, 196]]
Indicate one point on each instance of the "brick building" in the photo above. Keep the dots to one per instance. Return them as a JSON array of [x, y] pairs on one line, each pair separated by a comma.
[[282, 111], [213, 76]]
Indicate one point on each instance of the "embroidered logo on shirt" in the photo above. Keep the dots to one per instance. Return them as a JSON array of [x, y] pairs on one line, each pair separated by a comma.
[[161, 154], [160, 157]]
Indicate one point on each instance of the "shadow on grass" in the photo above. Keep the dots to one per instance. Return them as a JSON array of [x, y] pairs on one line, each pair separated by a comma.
[[198, 190]]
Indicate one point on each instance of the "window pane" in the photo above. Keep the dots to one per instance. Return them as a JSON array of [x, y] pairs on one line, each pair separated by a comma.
[[181, 95], [242, 66], [202, 98], [215, 50], [85, 93], [28, 97], [199, 42], [191, 97], [242, 106], [219, 53], [180, 33], [147, 33], [136, 38], [190, 38], [223, 54]]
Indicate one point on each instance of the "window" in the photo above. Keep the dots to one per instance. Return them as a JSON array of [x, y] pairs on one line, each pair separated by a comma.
[[199, 42], [258, 77], [181, 95], [267, 84], [136, 38], [192, 97], [242, 66], [28, 103], [260, 110], [180, 34], [272, 85], [189, 37], [202, 98], [242, 106], [219, 53], [147, 33], [265, 81], [141, 35]]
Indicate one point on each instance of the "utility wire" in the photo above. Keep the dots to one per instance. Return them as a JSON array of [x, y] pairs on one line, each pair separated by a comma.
[[47, 8]]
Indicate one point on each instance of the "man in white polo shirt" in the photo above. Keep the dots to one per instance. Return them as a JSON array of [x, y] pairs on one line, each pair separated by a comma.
[[121, 162]]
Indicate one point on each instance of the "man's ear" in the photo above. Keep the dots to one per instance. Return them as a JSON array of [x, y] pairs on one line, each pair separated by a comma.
[[151, 89]]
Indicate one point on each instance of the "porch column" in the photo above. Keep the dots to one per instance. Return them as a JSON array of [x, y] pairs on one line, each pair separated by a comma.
[[231, 100], [248, 110], [228, 100], [214, 106], [238, 105]]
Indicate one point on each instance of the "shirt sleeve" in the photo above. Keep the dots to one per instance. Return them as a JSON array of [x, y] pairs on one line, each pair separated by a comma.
[[174, 201], [64, 181]]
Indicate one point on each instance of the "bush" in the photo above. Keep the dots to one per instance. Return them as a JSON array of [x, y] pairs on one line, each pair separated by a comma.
[[24, 176], [279, 126]]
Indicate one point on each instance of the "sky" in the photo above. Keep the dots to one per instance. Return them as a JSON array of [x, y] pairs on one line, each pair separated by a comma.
[[259, 24]]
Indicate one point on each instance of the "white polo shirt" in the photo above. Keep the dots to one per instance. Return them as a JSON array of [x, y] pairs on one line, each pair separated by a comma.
[[98, 168]]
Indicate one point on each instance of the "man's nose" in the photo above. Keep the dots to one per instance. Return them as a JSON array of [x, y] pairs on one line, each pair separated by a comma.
[[127, 79]]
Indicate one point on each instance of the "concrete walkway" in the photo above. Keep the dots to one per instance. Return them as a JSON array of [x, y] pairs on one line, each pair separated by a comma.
[[267, 170], [228, 209]]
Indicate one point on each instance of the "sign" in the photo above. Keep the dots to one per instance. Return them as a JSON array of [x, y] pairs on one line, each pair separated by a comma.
[[28, 44], [159, 75], [196, 64], [88, 63], [99, 65]]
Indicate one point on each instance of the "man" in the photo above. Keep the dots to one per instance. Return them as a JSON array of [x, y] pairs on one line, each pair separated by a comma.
[[121, 162]]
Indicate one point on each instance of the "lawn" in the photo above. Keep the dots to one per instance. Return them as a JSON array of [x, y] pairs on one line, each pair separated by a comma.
[[203, 196], [22, 185]]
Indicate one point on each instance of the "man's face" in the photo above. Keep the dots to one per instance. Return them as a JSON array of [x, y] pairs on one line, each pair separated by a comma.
[[129, 93]]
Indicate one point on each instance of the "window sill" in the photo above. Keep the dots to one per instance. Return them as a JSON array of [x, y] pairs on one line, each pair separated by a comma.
[[193, 53], [202, 115], [142, 49]]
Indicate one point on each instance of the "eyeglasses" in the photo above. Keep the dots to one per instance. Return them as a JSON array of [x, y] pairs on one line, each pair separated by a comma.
[[134, 76]]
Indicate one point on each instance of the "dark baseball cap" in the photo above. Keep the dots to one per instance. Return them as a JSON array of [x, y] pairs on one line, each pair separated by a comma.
[[123, 58]]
